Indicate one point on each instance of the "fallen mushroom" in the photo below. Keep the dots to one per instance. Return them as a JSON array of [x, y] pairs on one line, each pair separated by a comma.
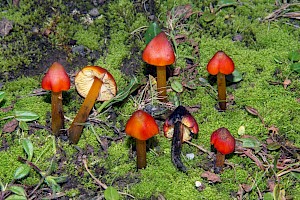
[[224, 143], [179, 126], [93, 83], [141, 126], [57, 80], [159, 52], [221, 64]]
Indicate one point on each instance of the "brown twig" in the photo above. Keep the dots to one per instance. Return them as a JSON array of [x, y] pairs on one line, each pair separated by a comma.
[[103, 185], [248, 152], [200, 148]]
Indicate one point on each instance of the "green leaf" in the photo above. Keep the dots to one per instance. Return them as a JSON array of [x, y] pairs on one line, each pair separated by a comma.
[[122, 94], [268, 196], [17, 190], [225, 2], [152, 31], [296, 175], [23, 125], [273, 146], [16, 197], [60, 179], [294, 56], [28, 147], [295, 67], [2, 94], [208, 16], [252, 143], [25, 116], [177, 86], [111, 194], [22, 171], [52, 183], [276, 192], [234, 77]]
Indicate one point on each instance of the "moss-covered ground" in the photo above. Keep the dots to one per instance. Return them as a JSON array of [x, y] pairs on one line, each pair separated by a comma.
[[48, 31]]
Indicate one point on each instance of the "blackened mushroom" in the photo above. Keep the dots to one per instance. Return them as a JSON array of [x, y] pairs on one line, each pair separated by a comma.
[[179, 126]]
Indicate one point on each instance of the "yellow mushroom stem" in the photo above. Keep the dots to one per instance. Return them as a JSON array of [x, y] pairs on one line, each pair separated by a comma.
[[76, 127], [161, 83], [220, 159], [57, 113], [221, 81], [141, 161]]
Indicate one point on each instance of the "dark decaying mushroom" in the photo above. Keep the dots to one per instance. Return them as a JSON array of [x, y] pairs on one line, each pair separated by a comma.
[[179, 126]]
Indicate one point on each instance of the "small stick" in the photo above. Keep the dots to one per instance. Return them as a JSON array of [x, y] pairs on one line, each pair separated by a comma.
[[103, 185]]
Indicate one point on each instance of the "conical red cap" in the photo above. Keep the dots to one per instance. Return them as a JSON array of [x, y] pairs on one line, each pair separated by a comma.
[[141, 125], [56, 79], [220, 62], [223, 141], [159, 51]]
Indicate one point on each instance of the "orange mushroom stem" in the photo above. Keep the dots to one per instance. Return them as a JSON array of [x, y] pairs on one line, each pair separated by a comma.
[[94, 83], [57, 80], [221, 64], [159, 52]]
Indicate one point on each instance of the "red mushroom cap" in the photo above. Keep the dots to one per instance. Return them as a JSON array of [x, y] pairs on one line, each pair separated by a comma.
[[220, 62], [159, 51], [56, 79], [141, 125], [223, 141]]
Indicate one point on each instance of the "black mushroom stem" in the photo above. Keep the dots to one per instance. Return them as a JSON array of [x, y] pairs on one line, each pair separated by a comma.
[[179, 126], [176, 146]]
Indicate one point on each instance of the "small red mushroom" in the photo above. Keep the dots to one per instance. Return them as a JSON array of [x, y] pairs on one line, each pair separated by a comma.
[[159, 52], [179, 126], [221, 64], [57, 80], [95, 84], [224, 143], [141, 126]]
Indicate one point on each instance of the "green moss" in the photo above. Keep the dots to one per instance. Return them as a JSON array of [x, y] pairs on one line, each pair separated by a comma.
[[111, 35]]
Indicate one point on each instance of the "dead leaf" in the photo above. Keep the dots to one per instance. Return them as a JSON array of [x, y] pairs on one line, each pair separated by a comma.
[[176, 71], [10, 126], [5, 26], [211, 176], [251, 110], [273, 130], [286, 82], [193, 108], [247, 188]]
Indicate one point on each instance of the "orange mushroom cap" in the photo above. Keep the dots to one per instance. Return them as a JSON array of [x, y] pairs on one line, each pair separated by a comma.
[[141, 126], [220, 62], [56, 79], [223, 141], [159, 51], [85, 78]]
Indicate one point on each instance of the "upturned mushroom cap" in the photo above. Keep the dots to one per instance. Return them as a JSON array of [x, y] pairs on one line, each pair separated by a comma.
[[220, 62], [189, 122], [85, 78], [223, 141], [159, 51], [141, 126], [56, 79]]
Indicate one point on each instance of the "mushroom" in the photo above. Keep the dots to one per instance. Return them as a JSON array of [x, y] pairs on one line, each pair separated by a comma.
[[224, 143], [57, 80], [159, 52], [141, 126], [95, 84], [179, 126], [221, 64]]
